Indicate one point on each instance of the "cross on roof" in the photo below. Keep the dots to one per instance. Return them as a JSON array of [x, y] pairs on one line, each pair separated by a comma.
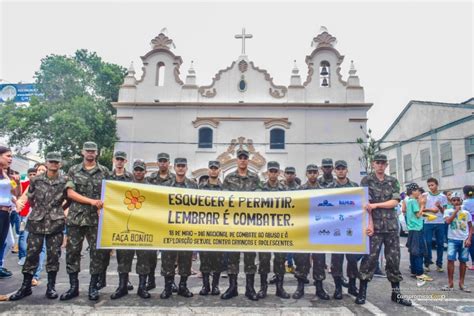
[[243, 36]]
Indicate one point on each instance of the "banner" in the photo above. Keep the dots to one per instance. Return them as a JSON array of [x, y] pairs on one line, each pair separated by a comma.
[[142, 216]]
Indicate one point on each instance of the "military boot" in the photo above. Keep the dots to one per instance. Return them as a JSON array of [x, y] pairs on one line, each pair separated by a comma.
[[280, 291], [320, 292], [397, 297], [102, 280], [249, 287], [299, 293], [142, 292], [263, 285], [206, 287], [151, 284], [93, 290], [74, 287], [25, 288], [167, 291], [122, 289], [215, 283], [183, 287], [232, 290], [352, 289], [362, 295], [338, 288], [50, 288]]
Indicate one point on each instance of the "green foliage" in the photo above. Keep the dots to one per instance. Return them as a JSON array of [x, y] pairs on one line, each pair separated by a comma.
[[368, 146], [78, 91]]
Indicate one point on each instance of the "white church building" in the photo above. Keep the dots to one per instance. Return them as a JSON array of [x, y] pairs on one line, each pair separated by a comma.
[[318, 115]]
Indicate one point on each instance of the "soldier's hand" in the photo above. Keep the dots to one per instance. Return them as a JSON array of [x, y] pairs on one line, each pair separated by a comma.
[[370, 230], [97, 203]]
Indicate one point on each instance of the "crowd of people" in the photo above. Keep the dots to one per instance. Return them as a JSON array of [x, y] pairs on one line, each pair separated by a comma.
[[54, 205]]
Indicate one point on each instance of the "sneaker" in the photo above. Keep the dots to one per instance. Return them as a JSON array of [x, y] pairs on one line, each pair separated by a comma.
[[34, 282], [471, 268], [5, 274], [378, 273], [425, 277], [21, 261], [420, 282], [290, 269], [439, 269]]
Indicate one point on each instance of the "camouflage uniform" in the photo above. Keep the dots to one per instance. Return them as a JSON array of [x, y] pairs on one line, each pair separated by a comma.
[[45, 222], [338, 259], [302, 260], [144, 257], [235, 182], [264, 257], [385, 228], [211, 261], [82, 219], [168, 257]]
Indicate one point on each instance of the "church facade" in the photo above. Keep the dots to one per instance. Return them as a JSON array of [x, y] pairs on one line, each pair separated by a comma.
[[318, 115]]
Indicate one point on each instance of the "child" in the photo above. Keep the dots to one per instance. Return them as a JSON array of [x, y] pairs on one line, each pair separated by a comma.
[[468, 205], [459, 240], [416, 241]]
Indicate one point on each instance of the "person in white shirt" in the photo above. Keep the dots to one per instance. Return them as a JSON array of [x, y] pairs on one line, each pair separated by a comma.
[[459, 240], [468, 205], [434, 202]]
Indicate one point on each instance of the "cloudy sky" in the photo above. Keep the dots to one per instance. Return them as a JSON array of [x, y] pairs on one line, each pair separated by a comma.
[[402, 50]]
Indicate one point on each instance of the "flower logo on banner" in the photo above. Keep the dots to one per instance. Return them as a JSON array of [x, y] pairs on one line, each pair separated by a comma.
[[134, 201]]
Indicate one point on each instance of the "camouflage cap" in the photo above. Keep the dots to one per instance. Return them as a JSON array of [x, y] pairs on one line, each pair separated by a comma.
[[120, 154], [139, 164], [53, 156], [290, 169], [326, 162], [214, 163], [340, 163], [180, 161], [380, 157], [89, 146], [241, 152], [311, 167], [273, 165], [163, 156]]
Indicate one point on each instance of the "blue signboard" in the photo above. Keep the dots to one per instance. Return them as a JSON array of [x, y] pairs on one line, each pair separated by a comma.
[[20, 93]]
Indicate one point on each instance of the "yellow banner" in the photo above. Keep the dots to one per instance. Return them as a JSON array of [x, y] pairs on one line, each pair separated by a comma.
[[142, 216]]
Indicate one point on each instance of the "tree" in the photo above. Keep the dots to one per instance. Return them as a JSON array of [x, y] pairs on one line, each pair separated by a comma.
[[368, 146], [76, 107]]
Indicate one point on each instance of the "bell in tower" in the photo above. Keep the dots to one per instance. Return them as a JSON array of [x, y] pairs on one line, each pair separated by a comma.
[[324, 71]]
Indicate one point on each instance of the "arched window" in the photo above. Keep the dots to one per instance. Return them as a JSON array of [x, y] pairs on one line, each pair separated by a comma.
[[160, 74], [205, 137], [277, 138], [324, 71]]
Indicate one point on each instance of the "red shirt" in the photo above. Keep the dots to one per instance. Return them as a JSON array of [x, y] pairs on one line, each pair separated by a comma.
[[26, 210]]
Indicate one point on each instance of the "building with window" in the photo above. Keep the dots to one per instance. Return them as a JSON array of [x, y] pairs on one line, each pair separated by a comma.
[[432, 139], [314, 117]]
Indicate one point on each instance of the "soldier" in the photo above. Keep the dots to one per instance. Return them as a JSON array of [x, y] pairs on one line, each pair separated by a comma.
[[46, 193], [272, 184], [118, 174], [84, 188], [159, 177], [384, 196], [211, 261], [326, 180], [342, 181], [241, 180], [125, 257], [168, 258]]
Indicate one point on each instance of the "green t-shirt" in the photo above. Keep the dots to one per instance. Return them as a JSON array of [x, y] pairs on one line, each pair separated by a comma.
[[413, 222]]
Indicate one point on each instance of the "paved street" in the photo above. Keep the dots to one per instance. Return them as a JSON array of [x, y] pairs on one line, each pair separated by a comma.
[[378, 297]]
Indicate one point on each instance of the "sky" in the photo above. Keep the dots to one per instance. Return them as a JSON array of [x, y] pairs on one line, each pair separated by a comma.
[[402, 50]]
